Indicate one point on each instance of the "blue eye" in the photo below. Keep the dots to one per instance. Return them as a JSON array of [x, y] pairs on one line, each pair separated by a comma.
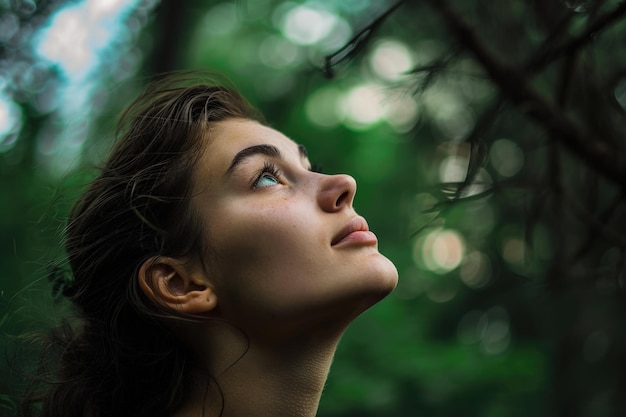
[[265, 180], [267, 176]]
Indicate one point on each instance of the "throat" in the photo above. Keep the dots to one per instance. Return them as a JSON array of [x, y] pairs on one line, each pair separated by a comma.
[[278, 382]]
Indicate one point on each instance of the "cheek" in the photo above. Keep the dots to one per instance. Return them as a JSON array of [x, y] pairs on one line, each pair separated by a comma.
[[256, 245]]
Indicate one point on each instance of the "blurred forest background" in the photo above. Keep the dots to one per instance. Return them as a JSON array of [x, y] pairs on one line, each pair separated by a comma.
[[486, 136]]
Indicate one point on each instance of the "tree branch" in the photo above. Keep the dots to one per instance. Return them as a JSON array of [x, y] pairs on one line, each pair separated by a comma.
[[549, 54], [356, 44], [596, 152]]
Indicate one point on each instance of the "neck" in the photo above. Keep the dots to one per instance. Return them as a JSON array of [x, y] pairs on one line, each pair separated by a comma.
[[260, 379]]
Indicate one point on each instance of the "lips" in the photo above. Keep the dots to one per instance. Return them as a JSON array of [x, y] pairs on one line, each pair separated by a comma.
[[356, 231]]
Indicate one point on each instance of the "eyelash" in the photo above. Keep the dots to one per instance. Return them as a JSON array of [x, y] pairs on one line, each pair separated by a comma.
[[271, 168], [268, 168]]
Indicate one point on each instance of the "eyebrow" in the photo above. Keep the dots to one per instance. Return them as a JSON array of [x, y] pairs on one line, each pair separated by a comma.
[[267, 150]]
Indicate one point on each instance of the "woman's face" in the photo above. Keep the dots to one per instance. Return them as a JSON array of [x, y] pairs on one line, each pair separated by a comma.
[[287, 247]]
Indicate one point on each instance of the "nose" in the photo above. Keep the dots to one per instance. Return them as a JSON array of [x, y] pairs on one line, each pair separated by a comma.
[[336, 192]]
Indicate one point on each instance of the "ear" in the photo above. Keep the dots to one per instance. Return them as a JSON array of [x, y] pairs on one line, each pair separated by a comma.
[[178, 285]]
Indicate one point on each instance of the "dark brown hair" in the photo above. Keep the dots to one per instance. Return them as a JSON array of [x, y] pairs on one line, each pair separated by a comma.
[[122, 360]]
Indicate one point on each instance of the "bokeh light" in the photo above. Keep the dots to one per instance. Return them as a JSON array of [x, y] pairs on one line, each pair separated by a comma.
[[453, 169], [277, 52], [490, 329], [449, 114], [9, 25], [514, 251], [311, 23], [391, 59], [78, 40], [441, 290], [365, 105], [506, 157], [620, 93], [440, 251], [497, 337], [76, 35], [471, 328], [401, 112], [220, 20], [476, 270], [10, 122], [322, 107], [362, 106]]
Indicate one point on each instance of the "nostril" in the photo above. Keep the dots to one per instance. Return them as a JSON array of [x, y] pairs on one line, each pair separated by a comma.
[[342, 198]]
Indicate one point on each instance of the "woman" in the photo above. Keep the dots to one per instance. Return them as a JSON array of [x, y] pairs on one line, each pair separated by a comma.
[[213, 271]]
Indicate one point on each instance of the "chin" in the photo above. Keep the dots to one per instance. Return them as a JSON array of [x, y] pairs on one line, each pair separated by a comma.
[[380, 280], [384, 275]]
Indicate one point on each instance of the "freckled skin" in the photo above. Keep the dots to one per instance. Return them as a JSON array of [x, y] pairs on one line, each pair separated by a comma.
[[271, 264]]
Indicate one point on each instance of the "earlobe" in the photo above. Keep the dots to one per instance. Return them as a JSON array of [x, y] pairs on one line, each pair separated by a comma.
[[177, 285]]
